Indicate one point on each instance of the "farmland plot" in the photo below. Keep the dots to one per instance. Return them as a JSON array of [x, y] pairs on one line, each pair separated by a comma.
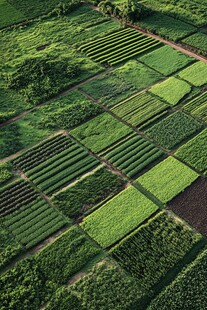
[[197, 41], [140, 110], [167, 179], [154, 248], [118, 47], [198, 107], [132, 154], [196, 74], [67, 162], [118, 216]]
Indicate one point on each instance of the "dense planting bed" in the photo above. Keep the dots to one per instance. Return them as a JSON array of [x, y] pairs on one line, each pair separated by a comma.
[[172, 90], [119, 46], [196, 74], [198, 107], [140, 110], [112, 287], [187, 289], [132, 155], [166, 60], [167, 179], [173, 129], [194, 152], [88, 192], [198, 41], [191, 205], [100, 132], [118, 217], [149, 253]]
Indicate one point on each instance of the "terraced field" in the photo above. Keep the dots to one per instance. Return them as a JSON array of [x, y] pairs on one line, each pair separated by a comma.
[[103, 155]]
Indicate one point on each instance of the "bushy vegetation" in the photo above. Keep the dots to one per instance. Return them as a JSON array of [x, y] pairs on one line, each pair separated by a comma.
[[88, 192], [100, 132], [172, 90], [166, 60], [194, 152], [111, 286], [118, 216], [167, 179], [195, 74], [132, 155], [173, 129], [198, 106], [140, 110], [187, 290], [5, 172], [69, 253], [154, 248]]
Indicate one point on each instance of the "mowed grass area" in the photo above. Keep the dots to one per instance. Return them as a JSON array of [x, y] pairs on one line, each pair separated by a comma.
[[173, 129], [194, 152], [119, 47], [187, 289], [197, 41], [132, 154], [172, 90], [198, 107], [100, 132], [196, 74], [118, 216], [140, 110], [166, 60], [154, 248], [167, 179]]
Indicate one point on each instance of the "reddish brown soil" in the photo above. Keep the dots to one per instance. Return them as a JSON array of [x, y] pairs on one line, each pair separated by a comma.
[[191, 205]]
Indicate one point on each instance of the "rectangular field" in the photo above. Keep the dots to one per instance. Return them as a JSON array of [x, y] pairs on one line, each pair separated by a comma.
[[119, 46], [154, 248], [198, 107], [55, 163], [196, 74], [132, 154], [198, 42], [140, 110], [118, 216]]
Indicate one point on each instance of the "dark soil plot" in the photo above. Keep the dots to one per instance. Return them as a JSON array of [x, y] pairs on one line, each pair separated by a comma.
[[191, 205]]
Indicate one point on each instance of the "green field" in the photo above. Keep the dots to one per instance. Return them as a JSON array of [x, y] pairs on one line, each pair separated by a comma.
[[175, 178], [173, 129], [198, 107], [197, 41], [194, 152], [195, 74], [172, 90], [166, 60], [119, 216]]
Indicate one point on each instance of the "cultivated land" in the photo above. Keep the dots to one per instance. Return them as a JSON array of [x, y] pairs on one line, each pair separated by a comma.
[[103, 155]]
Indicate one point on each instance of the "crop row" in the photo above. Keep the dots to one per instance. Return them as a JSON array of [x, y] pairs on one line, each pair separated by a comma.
[[12, 200], [133, 155], [122, 46], [43, 151], [140, 109], [198, 107], [154, 248]]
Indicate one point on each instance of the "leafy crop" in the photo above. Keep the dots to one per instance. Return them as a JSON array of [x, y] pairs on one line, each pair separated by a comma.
[[196, 74]]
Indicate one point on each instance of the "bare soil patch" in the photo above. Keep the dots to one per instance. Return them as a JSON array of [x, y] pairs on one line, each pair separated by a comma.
[[191, 205]]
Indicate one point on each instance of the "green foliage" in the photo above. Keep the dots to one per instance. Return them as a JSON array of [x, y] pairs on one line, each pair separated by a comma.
[[154, 248], [5, 172], [100, 132], [118, 216], [38, 79], [140, 109], [110, 286], [167, 179], [173, 129], [187, 290], [132, 154], [137, 74], [166, 26], [194, 152], [197, 41], [68, 254], [8, 14], [22, 287], [198, 107], [195, 74], [172, 90], [166, 60], [87, 192], [9, 140]]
